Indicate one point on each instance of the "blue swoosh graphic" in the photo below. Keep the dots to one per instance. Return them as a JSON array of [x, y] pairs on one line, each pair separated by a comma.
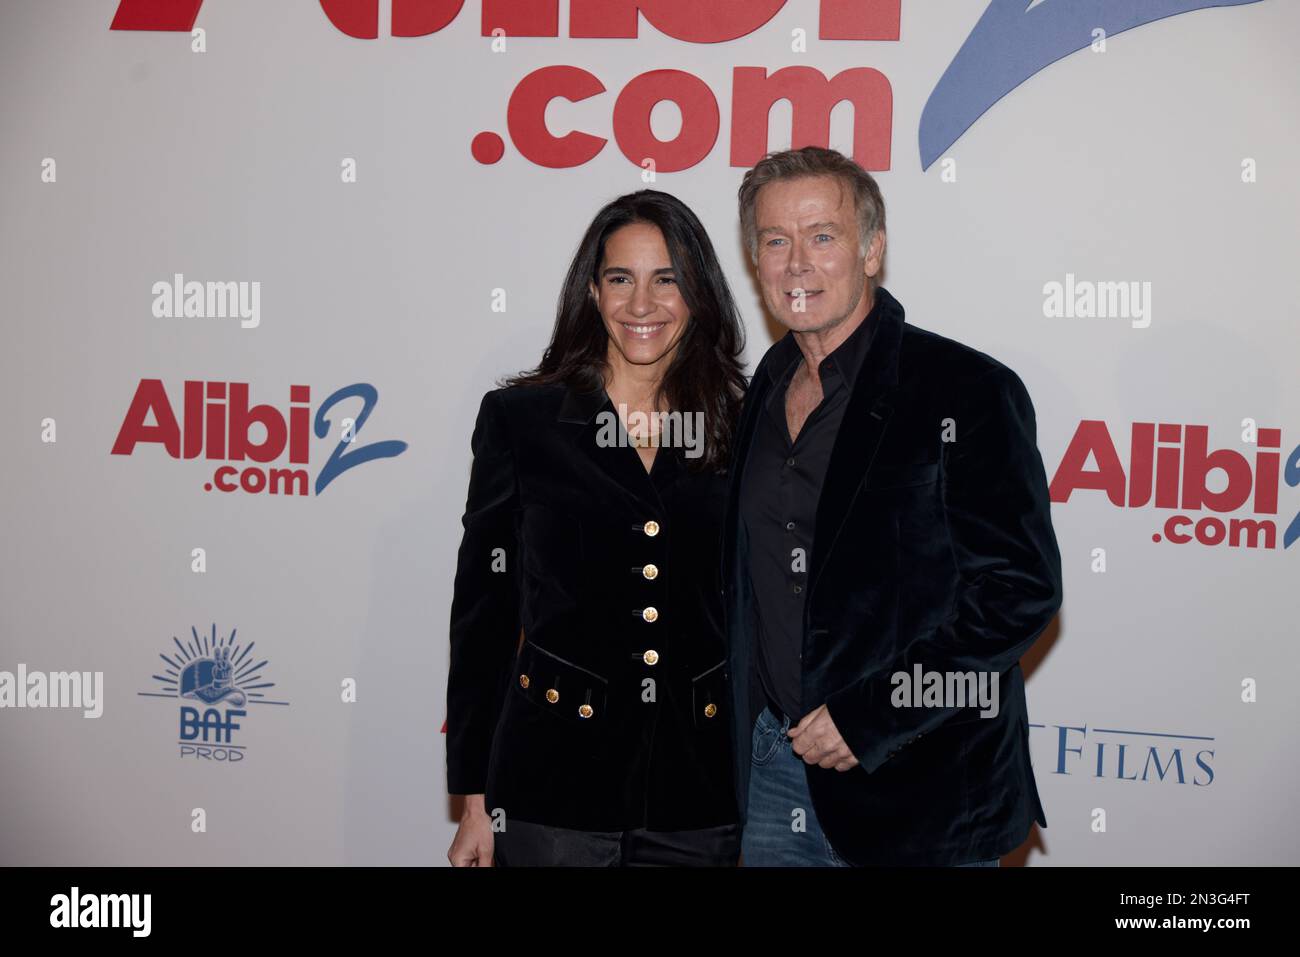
[[1012, 41]]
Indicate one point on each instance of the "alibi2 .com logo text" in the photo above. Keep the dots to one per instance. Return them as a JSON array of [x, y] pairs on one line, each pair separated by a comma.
[[241, 441], [218, 681], [1218, 496]]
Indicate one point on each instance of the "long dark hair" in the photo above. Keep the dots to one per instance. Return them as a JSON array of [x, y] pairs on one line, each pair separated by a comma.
[[705, 373]]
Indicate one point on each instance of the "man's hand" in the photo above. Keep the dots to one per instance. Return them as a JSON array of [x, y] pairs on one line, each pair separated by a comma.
[[818, 741], [473, 844]]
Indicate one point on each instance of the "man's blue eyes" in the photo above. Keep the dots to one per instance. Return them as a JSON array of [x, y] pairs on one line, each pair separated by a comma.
[[819, 236]]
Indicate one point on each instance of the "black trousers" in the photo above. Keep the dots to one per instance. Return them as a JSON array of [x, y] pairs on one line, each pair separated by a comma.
[[524, 844]]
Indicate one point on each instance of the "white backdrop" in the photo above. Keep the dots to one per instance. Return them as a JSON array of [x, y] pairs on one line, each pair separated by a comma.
[[226, 165]]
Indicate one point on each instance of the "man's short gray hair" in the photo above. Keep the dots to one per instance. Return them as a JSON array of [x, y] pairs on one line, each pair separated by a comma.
[[812, 161]]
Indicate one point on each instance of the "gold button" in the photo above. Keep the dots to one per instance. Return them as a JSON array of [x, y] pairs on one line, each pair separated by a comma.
[[651, 528], [523, 681], [585, 711], [650, 614], [650, 657], [650, 572], [552, 695], [710, 710]]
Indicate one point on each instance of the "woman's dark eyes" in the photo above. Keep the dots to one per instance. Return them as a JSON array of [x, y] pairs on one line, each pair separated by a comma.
[[620, 279]]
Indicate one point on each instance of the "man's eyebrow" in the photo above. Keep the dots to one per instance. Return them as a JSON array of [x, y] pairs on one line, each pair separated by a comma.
[[809, 228]]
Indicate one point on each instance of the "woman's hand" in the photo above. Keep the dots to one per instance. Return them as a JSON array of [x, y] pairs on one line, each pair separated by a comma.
[[472, 846]]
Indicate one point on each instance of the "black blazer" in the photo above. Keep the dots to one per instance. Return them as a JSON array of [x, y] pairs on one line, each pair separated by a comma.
[[925, 552], [609, 711]]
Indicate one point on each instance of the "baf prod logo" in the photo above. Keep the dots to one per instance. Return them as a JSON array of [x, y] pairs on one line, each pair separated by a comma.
[[1217, 496], [217, 681], [217, 423]]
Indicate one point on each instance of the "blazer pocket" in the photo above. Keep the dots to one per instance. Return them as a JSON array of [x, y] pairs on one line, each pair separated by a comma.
[[708, 695], [560, 688], [902, 476]]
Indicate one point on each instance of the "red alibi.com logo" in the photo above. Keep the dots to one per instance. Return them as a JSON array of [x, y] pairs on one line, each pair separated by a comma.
[[1171, 467], [242, 440]]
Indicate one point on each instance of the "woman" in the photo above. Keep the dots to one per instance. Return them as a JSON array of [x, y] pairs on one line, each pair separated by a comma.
[[599, 735]]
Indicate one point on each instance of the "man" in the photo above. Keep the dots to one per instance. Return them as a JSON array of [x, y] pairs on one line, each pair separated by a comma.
[[888, 523]]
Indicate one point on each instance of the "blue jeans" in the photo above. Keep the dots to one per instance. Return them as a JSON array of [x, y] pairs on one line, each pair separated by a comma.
[[775, 836]]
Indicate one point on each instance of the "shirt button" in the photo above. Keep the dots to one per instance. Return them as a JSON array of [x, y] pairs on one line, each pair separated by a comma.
[[798, 589], [650, 572], [789, 526], [789, 461], [651, 657], [651, 528], [650, 614]]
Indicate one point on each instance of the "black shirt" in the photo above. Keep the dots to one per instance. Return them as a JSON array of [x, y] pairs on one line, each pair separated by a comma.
[[778, 504]]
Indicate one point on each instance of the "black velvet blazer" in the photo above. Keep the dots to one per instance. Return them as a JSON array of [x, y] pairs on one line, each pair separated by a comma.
[[927, 553], [588, 662]]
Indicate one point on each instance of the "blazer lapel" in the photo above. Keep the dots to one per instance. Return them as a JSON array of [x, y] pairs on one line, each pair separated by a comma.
[[754, 398], [870, 405], [618, 461]]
